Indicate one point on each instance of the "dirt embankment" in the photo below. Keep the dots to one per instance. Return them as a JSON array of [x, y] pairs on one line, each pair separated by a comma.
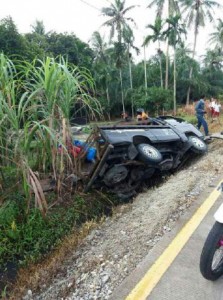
[[110, 252]]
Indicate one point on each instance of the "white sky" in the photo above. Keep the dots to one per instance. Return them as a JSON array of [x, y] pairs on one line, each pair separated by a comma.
[[82, 19]]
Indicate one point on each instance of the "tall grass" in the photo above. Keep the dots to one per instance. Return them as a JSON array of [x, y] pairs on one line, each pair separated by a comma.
[[34, 119]]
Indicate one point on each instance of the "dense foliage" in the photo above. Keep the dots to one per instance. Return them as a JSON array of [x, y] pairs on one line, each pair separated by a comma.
[[119, 81]]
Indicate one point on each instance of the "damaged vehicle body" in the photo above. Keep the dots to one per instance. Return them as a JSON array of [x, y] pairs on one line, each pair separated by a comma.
[[130, 154]]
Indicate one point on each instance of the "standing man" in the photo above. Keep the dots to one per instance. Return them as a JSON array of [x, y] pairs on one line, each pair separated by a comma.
[[200, 111]]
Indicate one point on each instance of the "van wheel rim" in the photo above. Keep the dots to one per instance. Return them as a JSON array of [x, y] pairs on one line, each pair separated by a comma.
[[197, 142], [150, 152]]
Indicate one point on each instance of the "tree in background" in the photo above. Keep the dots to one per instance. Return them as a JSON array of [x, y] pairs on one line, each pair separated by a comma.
[[129, 39], [207, 76], [183, 62], [155, 102], [54, 44], [68, 45], [216, 37], [11, 42], [102, 66], [156, 36], [118, 23], [174, 34], [37, 40], [196, 13], [38, 27], [212, 71], [173, 8]]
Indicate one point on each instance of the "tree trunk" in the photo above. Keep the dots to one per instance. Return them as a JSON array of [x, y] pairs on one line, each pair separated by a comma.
[[167, 50], [108, 100], [161, 75], [189, 88], [167, 66], [145, 70], [174, 84], [122, 94], [130, 74], [193, 55], [161, 71], [131, 85], [130, 70]]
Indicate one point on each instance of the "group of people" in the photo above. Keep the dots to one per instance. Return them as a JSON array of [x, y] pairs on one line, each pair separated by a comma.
[[142, 117], [214, 108], [201, 108]]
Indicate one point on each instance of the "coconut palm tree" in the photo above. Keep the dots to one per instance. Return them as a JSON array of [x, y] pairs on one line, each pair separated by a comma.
[[99, 46], [174, 33], [216, 37], [156, 36], [38, 27], [129, 40], [101, 56], [197, 12], [118, 22], [213, 58], [173, 8]]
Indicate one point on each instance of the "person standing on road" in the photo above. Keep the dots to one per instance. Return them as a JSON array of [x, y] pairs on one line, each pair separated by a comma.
[[200, 111]]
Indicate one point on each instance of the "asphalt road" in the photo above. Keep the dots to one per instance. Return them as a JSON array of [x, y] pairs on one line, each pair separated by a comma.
[[182, 279]]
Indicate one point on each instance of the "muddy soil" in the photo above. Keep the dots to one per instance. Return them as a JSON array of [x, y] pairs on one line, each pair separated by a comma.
[[113, 250]]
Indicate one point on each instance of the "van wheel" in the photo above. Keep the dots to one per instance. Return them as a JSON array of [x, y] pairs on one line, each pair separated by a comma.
[[149, 153], [115, 175], [198, 145]]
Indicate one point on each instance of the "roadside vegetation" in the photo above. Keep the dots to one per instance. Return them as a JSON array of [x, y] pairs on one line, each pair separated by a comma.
[[47, 79], [172, 77], [35, 103]]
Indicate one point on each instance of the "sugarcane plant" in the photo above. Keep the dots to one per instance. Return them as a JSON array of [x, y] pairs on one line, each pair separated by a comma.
[[35, 103]]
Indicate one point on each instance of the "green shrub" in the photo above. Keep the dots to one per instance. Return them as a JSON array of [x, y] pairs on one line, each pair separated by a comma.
[[190, 119], [153, 100], [27, 237]]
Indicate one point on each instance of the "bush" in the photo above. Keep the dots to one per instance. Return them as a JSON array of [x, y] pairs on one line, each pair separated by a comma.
[[26, 237], [190, 119], [156, 99]]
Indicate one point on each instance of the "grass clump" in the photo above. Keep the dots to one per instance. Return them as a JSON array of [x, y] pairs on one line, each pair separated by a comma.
[[26, 237]]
